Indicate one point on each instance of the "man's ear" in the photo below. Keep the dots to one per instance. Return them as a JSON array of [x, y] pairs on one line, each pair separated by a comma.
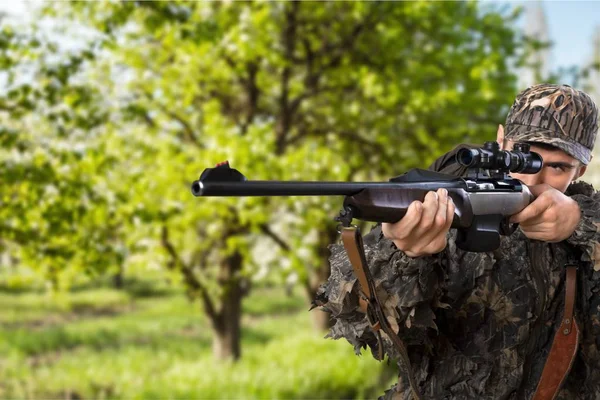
[[582, 170], [500, 136]]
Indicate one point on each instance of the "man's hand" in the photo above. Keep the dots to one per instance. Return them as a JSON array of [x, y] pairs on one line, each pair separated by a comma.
[[422, 231], [551, 217]]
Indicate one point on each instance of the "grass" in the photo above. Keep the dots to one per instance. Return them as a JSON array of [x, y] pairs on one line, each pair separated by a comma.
[[105, 343]]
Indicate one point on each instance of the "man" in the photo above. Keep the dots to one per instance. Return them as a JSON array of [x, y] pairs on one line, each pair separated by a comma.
[[481, 325]]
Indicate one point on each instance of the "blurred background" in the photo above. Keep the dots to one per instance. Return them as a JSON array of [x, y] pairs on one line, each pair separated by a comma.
[[115, 282]]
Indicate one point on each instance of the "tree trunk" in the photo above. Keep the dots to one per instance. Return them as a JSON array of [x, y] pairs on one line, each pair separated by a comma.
[[318, 276], [321, 320], [225, 313], [226, 339], [118, 278], [226, 326]]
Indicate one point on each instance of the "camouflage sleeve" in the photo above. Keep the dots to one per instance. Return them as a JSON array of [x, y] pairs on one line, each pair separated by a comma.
[[586, 235], [407, 287]]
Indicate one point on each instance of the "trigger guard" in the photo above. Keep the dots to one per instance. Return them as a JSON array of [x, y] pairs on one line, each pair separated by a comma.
[[507, 228]]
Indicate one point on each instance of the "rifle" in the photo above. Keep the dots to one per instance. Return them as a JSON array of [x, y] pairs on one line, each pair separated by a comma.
[[484, 198]]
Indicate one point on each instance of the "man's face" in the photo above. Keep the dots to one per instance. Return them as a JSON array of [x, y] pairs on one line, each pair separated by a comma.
[[559, 170]]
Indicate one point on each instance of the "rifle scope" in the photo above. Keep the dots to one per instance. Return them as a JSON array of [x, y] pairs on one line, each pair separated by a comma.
[[490, 157]]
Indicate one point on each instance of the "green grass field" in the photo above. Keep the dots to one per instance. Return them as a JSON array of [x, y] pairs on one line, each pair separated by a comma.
[[107, 343]]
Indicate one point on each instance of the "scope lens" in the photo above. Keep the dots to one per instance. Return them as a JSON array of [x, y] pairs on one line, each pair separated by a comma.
[[466, 157], [532, 163], [525, 163]]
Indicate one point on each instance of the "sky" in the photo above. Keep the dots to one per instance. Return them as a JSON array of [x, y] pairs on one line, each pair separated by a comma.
[[571, 23]]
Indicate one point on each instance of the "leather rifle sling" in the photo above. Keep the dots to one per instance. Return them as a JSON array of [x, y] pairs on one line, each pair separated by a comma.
[[564, 346], [353, 244]]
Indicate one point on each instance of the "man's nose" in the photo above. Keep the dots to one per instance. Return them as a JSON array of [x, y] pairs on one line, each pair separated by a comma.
[[534, 179]]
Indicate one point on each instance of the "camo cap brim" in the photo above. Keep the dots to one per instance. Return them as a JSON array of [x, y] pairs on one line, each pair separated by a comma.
[[524, 133], [557, 115]]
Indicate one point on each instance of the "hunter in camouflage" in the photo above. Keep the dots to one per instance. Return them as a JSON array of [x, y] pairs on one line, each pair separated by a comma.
[[480, 325]]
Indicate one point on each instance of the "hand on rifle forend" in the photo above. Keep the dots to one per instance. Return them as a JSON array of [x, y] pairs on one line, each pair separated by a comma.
[[423, 230]]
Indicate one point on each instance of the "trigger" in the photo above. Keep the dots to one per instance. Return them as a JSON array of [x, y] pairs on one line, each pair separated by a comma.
[[507, 228]]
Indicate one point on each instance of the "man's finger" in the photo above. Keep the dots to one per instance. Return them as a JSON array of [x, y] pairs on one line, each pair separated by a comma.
[[449, 214], [537, 190], [534, 209], [535, 220], [430, 207], [543, 227], [436, 236], [527, 213], [407, 224], [543, 235], [440, 216]]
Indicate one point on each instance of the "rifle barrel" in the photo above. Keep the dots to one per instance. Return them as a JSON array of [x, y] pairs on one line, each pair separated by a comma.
[[307, 188]]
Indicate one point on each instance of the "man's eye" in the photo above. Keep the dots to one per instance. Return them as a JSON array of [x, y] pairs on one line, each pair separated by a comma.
[[558, 168]]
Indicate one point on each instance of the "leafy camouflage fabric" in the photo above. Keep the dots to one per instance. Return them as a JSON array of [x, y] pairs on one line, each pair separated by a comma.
[[477, 325]]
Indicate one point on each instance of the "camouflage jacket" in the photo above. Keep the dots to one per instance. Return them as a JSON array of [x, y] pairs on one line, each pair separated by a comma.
[[478, 325]]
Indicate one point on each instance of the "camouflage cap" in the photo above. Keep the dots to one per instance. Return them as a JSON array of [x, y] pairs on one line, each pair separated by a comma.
[[557, 115]]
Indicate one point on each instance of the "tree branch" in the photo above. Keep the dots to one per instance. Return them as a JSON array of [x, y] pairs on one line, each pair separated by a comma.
[[188, 274], [253, 93], [354, 136], [311, 81], [289, 41], [187, 128], [148, 119], [269, 232]]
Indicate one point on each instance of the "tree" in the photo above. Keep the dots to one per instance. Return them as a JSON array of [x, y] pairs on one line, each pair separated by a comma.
[[284, 90], [55, 219]]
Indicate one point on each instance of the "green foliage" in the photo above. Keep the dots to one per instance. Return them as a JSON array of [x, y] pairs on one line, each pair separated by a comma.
[[283, 90], [53, 215], [287, 91]]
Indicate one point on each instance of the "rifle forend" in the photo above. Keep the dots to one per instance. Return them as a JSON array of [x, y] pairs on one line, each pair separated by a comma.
[[483, 200]]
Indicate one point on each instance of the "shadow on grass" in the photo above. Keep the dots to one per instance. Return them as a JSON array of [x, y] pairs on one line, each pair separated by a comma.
[[272, 302], [144, 289], [58, 339], [135, 287], [7, 289], [78, 311], [253, 336]]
